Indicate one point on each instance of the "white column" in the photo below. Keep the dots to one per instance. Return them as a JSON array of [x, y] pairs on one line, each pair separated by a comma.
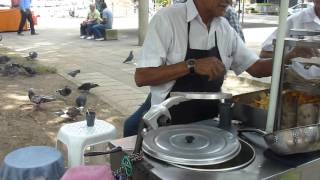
[[143, 19]]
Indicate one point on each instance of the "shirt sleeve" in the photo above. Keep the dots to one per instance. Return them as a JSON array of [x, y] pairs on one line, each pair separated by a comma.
[[156, 44], [22, 5], [243, 58], [267, 45]]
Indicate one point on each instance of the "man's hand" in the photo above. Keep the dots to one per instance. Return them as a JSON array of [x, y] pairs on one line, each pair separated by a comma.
[[302, 52], [211, 67]]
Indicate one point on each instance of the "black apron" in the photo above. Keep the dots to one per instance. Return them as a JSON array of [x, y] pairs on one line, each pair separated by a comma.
[[196, 110]]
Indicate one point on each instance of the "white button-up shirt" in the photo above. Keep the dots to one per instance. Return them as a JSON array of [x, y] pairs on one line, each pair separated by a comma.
[[306, 19], [166, 43]]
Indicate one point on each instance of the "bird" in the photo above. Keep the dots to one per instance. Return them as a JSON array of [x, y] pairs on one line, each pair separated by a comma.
[[81, 100], [32, 55], [31, 71], [87, 86], [4, 59], [39, 99], [74, 73], [73, 112], [69, 113], [66, 91], [0, 37], [11, 69], [129, 58]]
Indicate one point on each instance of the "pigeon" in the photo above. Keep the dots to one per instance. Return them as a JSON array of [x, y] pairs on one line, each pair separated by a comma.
[[74, 73], [69, 113], [129, 58], [38, 99], [0, 37], [81, 100], [66, 91], [32, 55], [73, 112], [11, 69], [87, 86], [4, 59], [29, 70]]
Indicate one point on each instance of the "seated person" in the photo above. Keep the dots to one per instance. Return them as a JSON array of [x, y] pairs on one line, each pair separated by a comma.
[[306, 19], [107, 20], [93, 18], [189, 47]]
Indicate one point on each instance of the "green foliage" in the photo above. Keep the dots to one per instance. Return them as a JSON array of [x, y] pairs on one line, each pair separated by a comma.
[[264, 4], [162, 3]]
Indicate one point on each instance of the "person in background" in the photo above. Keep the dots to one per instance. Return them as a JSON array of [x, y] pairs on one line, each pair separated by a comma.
[[99, 6], [26, 14], [107, 20], [92, 19], [306, 19], [233, 20]]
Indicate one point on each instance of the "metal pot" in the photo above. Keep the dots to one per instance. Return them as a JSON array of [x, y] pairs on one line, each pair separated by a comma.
[[291, 141]]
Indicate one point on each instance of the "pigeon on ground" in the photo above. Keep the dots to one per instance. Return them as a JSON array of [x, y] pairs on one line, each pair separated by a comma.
[[32, 55], [39, 99], [74, 73], [4, 59], [29, 70], [11, 69], [87, 86], [81, 100], [129, 58], [66, 91], [69, 113]]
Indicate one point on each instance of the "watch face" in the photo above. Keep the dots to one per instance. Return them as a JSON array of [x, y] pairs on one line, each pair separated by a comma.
[[191, 62]]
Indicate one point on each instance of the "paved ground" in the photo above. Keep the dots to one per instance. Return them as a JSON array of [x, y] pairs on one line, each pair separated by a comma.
[[101, 62]]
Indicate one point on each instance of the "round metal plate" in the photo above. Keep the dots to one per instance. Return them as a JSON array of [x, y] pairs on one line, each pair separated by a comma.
[[210, 145], [242, 160]]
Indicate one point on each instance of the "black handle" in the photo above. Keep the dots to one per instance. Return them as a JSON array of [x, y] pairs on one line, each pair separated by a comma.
[[258, 131], [225, 115], [113, 150], [189, 139]]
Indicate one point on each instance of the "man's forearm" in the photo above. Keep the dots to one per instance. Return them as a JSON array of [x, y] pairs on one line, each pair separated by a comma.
[[154, 76], [262, 68], [266, 54]]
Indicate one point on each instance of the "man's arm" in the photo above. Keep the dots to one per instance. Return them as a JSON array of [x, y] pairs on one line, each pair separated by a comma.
[[153, 76], [261, 68], [266, 54]]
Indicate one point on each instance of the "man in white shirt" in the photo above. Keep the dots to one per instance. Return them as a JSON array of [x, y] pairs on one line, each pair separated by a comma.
[[189, 47], [306, 19]]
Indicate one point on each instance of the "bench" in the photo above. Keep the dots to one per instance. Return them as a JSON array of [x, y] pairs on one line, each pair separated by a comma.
[[111, 34]]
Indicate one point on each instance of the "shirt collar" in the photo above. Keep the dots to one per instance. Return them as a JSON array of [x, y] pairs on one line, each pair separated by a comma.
[[192, 11]]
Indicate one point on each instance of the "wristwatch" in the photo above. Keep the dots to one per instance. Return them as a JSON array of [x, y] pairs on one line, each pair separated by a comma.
[[190, 64]]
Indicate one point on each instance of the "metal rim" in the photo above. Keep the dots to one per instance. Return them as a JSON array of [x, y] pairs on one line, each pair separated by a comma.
[[243, 144], [202, 95], [216, 146]]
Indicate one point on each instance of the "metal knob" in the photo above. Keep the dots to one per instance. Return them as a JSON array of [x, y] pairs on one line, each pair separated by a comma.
[[189, 139]]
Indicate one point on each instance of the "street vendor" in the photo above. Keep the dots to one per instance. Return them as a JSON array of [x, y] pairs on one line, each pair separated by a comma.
[[188, 48], [306, 19]]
